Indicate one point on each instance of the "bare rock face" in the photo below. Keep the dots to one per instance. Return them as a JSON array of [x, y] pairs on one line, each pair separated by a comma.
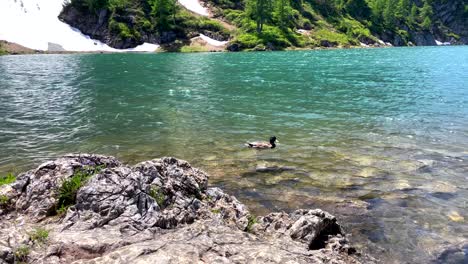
[[36, 190], [158, 211]]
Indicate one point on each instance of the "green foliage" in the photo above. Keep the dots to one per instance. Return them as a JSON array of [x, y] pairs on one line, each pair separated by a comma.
[[189, 49], [282, 13], [39, 235], [354, 30], [453, 35], [158, 195], [426, 15], [334, 37], [9, 178], [413, 15], [260, 11], [269, 23], [4, 200], [358, 9], [22, 253], [164, 12], [90, 5], [403, 9], [69, 188], [216, 211], [427, 23], [251, 221], [2, 52]]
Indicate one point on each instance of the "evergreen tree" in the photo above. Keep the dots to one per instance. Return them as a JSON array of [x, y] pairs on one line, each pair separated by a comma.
[[413, 15], [282, 12], [358, 8], [260, 11], [403, 9], [389, 13], [164, 12], [426, 15]]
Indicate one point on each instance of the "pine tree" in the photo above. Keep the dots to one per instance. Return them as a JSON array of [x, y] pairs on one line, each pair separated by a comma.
[[358, 8], [426, 15], [260, 11], [413, 15], [164, 11], [403, 9], [389, 13], [282, 12]]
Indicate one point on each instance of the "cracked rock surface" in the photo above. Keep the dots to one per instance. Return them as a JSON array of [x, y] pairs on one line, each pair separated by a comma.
[[158, 211]]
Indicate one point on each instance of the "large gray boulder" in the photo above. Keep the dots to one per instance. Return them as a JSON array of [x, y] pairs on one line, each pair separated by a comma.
[[158, 211]]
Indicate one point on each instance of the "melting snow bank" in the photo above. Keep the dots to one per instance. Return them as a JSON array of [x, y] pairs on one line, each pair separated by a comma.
[[194, 6], [35, 24], [439, 43], [213, 42]]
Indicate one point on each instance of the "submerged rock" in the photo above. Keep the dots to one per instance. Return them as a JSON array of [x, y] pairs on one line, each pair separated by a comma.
[[158, 211]]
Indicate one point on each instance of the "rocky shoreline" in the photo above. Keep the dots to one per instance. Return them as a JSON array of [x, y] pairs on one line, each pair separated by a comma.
[[94, 209]]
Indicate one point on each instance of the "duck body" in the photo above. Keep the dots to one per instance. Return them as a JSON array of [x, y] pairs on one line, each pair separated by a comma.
[[263, 144]]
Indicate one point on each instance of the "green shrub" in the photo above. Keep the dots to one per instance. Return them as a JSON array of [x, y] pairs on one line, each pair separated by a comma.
[[251, 221], [355, 30], [4, 200], [39, 235], [453, 35], [9, 178], [339, 38], [248, 40], [158, 195], [404, 35], [234, 16], [22, 253], [69, 188]]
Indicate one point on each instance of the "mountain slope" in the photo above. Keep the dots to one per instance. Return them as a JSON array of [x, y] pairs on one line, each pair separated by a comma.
[[246, 24], [272, 24]]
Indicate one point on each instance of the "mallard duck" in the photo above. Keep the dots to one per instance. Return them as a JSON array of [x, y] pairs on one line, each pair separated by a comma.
[[262, 144]]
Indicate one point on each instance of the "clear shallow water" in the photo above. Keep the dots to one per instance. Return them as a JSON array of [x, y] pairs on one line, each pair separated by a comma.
[[378, 137]]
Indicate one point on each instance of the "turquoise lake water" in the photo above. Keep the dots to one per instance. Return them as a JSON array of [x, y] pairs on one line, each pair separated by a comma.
[[378, 137]]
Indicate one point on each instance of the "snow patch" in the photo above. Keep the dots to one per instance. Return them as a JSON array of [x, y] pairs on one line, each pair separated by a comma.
[[440, 43], [213, 42], [194, 6], [35, 24], [364, 45]]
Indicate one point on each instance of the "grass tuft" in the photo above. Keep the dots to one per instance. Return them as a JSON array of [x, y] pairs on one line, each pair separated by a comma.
[[69, 188], [9, 178], [188, 49], [39, 235], [4, 200], [157, 195], [252, 220], [22, 253]]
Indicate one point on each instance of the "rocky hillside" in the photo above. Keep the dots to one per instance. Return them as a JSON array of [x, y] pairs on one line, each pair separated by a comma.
[[94, 209], [273, 24]]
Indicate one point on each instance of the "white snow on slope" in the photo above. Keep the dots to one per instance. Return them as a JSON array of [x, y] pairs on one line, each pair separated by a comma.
[[34, 23], [440, 43], [213, 42], [194, 6]]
